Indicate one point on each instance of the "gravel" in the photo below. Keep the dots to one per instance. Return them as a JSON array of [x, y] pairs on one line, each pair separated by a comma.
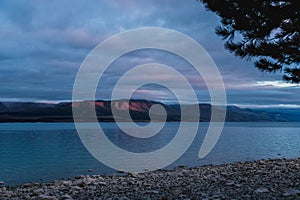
[[264, 179]]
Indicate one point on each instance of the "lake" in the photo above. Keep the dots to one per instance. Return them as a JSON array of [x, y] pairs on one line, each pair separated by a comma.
[[32, 152]]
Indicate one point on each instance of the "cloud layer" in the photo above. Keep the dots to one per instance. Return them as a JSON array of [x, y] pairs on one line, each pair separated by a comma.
[[43, 44]]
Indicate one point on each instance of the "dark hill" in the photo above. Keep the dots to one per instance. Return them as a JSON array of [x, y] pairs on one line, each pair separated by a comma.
[[62, 112]]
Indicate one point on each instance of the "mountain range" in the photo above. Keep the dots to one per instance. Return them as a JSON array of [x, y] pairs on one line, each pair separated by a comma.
[[138, 109]]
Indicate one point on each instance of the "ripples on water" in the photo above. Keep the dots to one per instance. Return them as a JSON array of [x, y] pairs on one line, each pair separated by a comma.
[[47, 151]]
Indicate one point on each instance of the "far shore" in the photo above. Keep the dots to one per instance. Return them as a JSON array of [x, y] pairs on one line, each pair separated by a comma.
[[263, 179]]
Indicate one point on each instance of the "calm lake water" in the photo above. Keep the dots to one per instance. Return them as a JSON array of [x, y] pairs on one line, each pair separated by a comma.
[[31, 152]]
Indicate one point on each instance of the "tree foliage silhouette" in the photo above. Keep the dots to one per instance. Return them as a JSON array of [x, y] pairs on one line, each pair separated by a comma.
[[267, 30]]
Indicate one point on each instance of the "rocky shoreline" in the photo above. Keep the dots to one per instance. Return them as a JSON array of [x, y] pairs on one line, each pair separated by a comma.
[[264, 179]]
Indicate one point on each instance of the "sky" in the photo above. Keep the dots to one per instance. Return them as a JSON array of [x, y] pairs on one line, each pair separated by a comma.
[[43, 44]]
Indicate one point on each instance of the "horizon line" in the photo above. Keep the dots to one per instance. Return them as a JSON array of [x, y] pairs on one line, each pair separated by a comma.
[[241, 105]]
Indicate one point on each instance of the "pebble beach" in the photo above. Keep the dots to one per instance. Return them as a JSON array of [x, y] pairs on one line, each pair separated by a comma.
[[264, 179]]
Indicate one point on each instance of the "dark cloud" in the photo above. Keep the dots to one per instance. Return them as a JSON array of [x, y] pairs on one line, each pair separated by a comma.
[[18, 12]]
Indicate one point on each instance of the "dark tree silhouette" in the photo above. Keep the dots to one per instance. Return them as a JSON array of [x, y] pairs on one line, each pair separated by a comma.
[[267, 30]]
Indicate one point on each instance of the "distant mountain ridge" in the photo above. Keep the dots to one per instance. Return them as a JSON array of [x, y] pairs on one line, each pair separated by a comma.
[[139, 111], [3, 108]]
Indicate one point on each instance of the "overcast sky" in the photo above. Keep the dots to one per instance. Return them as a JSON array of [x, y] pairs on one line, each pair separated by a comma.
[[43, 44]]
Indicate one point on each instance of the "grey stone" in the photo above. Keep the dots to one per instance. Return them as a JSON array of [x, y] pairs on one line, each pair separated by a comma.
[[46, 197], [102, 183], [66, 197], [8, 193], [229, 183], [290, 192], [262, 190], [76, 188]]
